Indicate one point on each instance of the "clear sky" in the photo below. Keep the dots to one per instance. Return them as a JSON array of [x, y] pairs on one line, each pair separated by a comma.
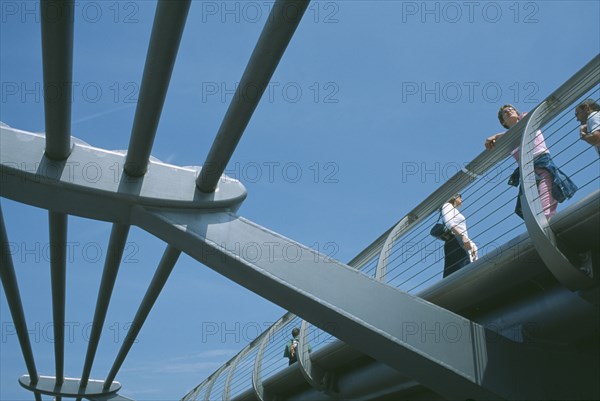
[[364, 89]]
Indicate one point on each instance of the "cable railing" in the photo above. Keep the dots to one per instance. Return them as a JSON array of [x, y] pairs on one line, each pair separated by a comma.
[[219, 385], [407, 257], [242, 375], [272, 359], [416, 258], [412, 256]]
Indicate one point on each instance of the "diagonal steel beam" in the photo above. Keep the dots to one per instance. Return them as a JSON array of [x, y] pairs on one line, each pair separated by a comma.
[[167, 30], [116, 246], [58, 274], [165, 267], [13, 297], [275, 37], [57, 52], [444, 351]]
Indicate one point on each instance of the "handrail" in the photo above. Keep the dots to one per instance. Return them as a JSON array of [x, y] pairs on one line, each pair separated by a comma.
[[576, 86], [570, 91], [232, 366], [540, 232]]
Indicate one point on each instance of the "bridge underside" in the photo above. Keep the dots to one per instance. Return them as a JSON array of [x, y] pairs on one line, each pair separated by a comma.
[[511, 293]]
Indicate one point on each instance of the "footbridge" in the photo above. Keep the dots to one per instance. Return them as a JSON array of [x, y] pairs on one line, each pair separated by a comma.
[[530, 302], [521, 322]]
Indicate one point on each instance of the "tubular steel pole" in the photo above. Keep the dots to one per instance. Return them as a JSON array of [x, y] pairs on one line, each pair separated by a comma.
[[116, 246], [167, 30], [57, 54], [165, 267], [275, 37], [13, 297], [58, 269]]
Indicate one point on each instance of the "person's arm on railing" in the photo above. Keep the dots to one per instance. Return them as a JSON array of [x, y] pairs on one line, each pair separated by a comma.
[[592, 138], [490, 142]]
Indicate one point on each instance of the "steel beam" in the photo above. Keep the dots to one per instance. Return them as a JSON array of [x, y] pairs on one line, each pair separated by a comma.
[[114, 254], [90, 183], [169, 22], [491, 277], [13, 297], [256, 344], [165, 267], [57, 18], [383, 322], [275, 37], [58, 273]]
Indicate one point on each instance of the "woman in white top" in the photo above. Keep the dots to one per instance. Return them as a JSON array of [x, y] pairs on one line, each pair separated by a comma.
[[459, 250]]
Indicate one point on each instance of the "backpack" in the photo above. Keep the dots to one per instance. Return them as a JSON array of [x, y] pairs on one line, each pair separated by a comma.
[[293, 349]]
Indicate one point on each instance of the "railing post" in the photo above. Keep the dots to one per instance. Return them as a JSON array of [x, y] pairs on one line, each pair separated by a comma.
[[540, 232], [232, 366], [314, 374]]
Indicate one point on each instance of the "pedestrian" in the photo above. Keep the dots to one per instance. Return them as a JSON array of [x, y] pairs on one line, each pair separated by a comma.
[[553, 185], [291, 348], [588, 114], [459, 250]]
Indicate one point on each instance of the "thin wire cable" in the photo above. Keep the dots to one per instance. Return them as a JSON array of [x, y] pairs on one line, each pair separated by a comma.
[[243, 373], [433, 264], [398, 235], [425, 227], [274, 352], [489, 214], [429, 279]]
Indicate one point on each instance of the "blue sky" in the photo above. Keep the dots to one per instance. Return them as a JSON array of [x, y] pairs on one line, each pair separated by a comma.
[[365, 89]]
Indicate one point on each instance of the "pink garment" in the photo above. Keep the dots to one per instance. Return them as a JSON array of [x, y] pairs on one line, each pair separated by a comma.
[[539, 147], [549, 204], [539, 144]]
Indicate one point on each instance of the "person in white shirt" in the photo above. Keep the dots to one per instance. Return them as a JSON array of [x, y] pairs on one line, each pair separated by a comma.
[[459, 250], [588, 114]]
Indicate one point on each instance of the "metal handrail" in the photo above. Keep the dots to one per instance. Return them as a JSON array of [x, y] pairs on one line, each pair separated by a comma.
[[575, 87], [540, 232], [570, 91]]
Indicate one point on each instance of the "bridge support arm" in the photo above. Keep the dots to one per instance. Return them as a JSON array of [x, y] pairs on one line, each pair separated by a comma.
[[449, 354]]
